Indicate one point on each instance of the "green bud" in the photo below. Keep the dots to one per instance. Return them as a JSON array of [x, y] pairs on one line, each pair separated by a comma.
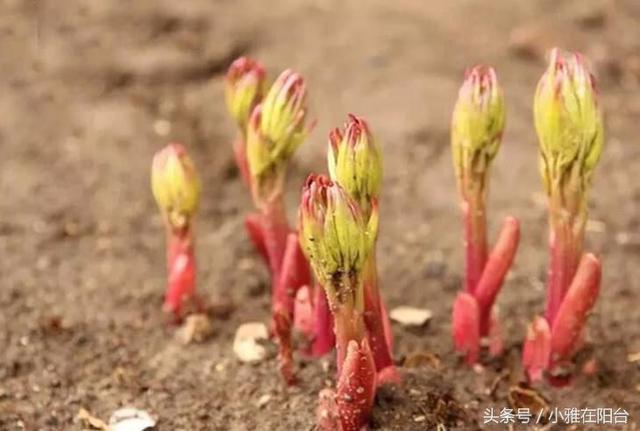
[[355, 161], [477, 125], [568, 120], [275, 130], [334, 237], [175, 185], [243, 89]]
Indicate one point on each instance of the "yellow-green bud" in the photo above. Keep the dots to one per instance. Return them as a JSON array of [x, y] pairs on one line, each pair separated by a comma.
[[477, 124], [243, 89], [275, 130], [175, 184], [355, 161], [568, 120], [334, 237]]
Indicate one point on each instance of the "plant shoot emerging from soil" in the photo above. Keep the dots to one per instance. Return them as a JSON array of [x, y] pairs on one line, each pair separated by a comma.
[[337, 240], [271, 129], [355, 162], [570, 131], [476, 133], [176, 189]]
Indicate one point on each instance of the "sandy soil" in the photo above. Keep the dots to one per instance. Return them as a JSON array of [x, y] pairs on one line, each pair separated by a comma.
[[90, 89]]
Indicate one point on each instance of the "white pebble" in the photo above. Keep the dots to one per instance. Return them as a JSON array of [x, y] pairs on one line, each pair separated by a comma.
[[131, 419], [410, 316], [246, 344]]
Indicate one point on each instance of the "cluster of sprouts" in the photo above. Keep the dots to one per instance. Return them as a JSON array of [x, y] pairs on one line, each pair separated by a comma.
[[324, 277]]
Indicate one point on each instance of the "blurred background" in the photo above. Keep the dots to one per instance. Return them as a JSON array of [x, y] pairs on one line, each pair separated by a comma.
[[91, 89]]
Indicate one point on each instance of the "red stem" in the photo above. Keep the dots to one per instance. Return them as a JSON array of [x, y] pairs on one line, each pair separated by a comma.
[[374, 319], [388, 332], [180, 268], [537, 348], [275, 229], [293, 275], [466, 317], [475, 242], [356, 387], [565, 253], [348, 327], [324, 335], [495, 270], [573, 312], [253, 224]]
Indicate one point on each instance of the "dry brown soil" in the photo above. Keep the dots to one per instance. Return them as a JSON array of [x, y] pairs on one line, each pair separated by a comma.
[[91, 88]]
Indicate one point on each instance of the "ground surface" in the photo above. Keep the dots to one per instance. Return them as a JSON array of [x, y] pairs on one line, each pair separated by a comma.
[[90, 89]]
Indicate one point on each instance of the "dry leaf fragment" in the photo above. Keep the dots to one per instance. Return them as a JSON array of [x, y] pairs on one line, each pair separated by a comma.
[[196, 329], [525, 397], [91, 421]]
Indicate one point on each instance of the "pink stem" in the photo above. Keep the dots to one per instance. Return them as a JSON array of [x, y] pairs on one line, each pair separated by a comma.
[[388, 333], [324, 336], [466, 318], [496, 343], [282, 329], [303, 313], [294, 274], [356, 386], [253, 225], [537, 348], [475, 243], [564, 256], [181, 270], [275, 230], [574, 310], [374, 319], [348, 327], [495, 270]]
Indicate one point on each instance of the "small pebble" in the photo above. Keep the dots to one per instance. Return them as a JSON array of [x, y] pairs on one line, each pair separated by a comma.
[[263, 400], [131, 419], [246, 344], [420, 418], [410, 316]]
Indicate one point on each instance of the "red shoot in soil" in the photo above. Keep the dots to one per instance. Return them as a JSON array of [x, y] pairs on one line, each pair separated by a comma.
[[303, 312], [570, 130], [337, 240], [294, 274], [271, 130], [476, 133], [313, 319], [176, 188], [355, 162]]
